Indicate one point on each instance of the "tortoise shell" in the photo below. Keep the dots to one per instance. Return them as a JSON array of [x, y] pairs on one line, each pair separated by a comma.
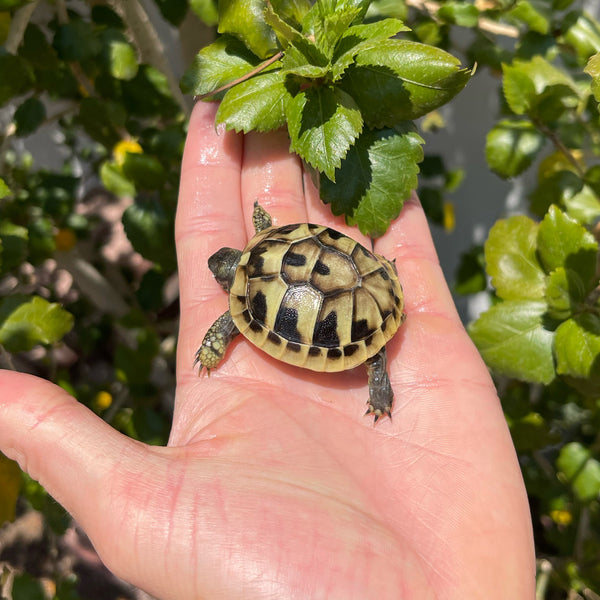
[[313, 297]]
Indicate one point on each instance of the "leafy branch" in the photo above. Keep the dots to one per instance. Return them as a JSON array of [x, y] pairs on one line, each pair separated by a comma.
[[347, 90]]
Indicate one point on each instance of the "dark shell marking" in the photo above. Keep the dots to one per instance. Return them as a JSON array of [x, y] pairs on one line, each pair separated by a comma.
[[311, 296]]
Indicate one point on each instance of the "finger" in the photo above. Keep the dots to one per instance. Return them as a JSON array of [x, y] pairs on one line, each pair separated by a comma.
[[209, 216], [408, 240], [272, 176]]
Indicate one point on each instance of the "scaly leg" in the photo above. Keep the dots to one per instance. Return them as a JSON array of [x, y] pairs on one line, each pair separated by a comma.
[[215, 342], [381, 395], [261, 219]]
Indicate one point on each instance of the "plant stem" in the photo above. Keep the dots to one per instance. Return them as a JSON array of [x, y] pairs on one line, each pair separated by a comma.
[[551, 135], [149, 45], [254, 71], [544, 572], [18, 25], [485, 24]]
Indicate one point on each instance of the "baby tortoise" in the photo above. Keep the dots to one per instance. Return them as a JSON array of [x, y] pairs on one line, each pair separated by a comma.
[[309, 296]]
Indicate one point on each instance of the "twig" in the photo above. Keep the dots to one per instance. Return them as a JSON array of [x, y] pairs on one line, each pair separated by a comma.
[[149, 44], [544, 572], [485, 24], [254, 71], [551, 135], [18, 25]]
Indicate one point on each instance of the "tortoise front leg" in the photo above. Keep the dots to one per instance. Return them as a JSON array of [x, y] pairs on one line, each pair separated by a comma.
[[215, 342], [381, 395]]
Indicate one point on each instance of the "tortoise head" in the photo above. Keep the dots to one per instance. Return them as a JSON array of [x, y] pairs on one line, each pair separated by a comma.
[[223, 264]]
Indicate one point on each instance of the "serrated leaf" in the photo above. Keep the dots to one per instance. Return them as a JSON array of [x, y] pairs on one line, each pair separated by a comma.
[[292, 11], [295, 62], [323, 122], [511, 257], [593, 70], [511, 147], [538, 88], [218, 64], [519, 90], [330, 27], [245, 20], [26, 321], [286, 34], [565, 291], [29, 116], [581, 470], [513, 341], [401, 80], [377, 175], [562, 242], [360, 37], [257, 103]]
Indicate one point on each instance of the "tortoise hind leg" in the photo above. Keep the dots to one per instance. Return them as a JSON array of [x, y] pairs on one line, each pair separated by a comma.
[[261, 219], [215, 342], [381, 395]]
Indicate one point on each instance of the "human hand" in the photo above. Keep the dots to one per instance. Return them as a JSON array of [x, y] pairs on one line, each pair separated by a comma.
[[274, 484]]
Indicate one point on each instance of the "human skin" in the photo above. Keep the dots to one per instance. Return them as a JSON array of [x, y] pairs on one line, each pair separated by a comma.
[[274, 484]]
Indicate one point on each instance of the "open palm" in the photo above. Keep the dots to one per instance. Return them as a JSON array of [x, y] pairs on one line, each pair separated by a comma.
[[274, 483]]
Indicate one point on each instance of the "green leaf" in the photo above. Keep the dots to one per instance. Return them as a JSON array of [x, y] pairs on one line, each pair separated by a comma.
[[102, 120], [582, 33], [218, 64], [17, 77], [470, 274], [401, 80], [255, 104], [245, 20], [115, 181], [14, 245], [577, 348], [534, 13], [150, 231], [562, 242], [531, 432], [330, 28], [206, 10], [323, 122], [512, 263], [565, 292], [513, 341], [519, 90], [581, 470], [77, 41], [461, 13], [286, 34], [29, 116], [26, 587], [26, 321], [377, 175], [511, 147], [145, 171], [119, 55], [593, 70], [4, 189], [360, 37]]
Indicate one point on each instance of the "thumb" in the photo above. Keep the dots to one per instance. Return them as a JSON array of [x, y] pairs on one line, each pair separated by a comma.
[[77, 457]]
